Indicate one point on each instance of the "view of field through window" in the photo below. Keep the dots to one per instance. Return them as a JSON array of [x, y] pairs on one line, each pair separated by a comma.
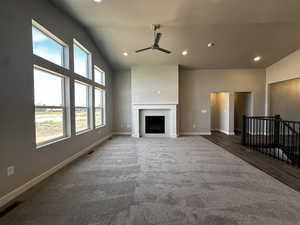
[[99, 107], [49, 124], [51, 118], [49, 108], [82, 106]]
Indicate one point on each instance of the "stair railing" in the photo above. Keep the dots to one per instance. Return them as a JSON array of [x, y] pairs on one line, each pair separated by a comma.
[[273, 136]]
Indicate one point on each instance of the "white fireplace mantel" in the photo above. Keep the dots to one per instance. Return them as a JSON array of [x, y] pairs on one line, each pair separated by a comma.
[[136, 117]]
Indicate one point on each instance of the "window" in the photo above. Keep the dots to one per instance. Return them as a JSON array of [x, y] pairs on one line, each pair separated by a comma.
[[50, 109], [47, 46], [82, 60], [99, 76], [82, 107], [99, 107]]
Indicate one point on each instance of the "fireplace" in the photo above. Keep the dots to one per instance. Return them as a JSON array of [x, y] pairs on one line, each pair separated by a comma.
[[154, 124], [154, 120]]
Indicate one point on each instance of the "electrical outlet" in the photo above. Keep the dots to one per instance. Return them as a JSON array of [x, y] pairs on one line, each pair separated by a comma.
[[10, 171], [194, 126]]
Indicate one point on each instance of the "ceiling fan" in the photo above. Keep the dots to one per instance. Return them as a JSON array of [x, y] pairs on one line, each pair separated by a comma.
[[157, 37]]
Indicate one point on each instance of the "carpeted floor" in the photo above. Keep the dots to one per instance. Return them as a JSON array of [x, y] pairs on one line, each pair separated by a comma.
[[159, 181]]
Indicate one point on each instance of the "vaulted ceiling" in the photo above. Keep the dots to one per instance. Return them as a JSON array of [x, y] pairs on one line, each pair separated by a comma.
[[241, 29]]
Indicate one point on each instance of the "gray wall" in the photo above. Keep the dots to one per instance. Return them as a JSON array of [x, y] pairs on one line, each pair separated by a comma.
[[285, 69], [154, 84], [195, 87], [285, 99], [122, 102], [17, 134]]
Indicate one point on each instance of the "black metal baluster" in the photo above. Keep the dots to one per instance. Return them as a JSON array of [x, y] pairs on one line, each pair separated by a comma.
[[265, 135], [256, 133], [273, 138], [294, 144], [282, 138], [259, 135], [268, 136], [298, 156], [250, 120]]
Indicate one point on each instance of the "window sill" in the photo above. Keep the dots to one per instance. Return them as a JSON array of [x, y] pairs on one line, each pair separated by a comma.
[[101, 126], [83, 132], [51, 142]]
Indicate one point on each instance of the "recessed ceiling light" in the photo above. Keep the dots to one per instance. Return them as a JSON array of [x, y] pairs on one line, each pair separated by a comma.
[[185, 52], [97, 1], [257, 58], [211, 44], [125, 54]]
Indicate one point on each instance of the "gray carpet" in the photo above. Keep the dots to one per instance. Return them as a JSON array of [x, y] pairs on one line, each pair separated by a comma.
[[153, 181]]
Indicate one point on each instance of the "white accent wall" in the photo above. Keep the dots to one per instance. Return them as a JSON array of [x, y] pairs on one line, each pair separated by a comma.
[[154, 84]]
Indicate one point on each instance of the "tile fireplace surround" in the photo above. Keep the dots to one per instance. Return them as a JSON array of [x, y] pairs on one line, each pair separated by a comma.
[[139, 111]]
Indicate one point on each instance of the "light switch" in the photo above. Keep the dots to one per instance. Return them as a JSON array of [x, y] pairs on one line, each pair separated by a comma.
[[10, 171]]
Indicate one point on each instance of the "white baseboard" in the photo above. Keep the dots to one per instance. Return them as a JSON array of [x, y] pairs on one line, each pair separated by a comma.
[[194, 133], [18, 191], [121, 133], [225, 132]]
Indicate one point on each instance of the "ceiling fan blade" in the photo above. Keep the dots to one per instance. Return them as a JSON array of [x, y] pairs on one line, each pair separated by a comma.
[[157, 38], [144, 49], [164, 50]]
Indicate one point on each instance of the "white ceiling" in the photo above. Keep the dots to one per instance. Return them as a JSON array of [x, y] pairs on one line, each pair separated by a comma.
[[241, 29]]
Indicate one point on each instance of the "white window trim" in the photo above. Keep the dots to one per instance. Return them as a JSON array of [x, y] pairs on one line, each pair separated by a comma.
[[89, 108], [64, 107], [90, 72], [103, 73], [65, 57], [103, 107]]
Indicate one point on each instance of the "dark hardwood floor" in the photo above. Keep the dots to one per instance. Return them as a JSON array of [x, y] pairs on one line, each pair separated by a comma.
[[281, 171]]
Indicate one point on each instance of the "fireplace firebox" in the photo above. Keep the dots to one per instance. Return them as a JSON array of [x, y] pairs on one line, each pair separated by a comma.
[[155, 124]]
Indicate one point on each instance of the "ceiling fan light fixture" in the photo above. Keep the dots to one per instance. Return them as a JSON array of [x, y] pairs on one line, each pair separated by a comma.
[[155, 46], [125, 53]]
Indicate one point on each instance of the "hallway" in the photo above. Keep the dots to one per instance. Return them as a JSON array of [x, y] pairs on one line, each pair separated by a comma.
[[158, 181]]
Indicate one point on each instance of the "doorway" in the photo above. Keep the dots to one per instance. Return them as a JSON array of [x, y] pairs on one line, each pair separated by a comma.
[[242, 106], [227, 110], [220, 112]]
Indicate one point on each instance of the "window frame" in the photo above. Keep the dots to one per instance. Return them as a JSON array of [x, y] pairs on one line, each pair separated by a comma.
[[65, 47], [103, 78], [88, 107], [103, 107], [64, 107], [89, 63]]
